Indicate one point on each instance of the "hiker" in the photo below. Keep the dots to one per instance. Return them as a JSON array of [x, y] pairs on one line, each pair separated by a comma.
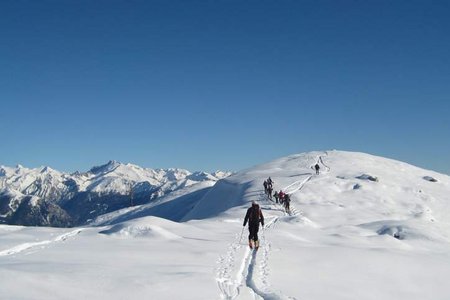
[[269, 192], [276, 196], [287, 201], [253, 217], [265, 186], [281, 196], [270, 182], [317, 167]]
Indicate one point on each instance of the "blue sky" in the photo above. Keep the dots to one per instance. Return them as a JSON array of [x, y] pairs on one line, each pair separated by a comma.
[[208, 85]]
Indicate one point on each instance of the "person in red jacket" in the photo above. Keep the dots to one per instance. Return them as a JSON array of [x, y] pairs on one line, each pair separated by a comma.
[[254, 216], [281, 196]]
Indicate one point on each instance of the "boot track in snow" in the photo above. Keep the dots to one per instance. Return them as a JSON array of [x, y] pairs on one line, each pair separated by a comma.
[[230, 288], [34, 245]]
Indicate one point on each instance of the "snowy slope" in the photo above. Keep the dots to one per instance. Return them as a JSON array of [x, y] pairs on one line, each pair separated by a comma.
[[173, 206], [365, 228]]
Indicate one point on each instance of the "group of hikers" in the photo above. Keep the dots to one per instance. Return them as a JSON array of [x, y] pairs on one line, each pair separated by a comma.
[[284, 199], [280, 197], [254, 214]]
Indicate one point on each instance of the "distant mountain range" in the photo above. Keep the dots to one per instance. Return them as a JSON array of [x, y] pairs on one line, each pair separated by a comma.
[[46, 197]]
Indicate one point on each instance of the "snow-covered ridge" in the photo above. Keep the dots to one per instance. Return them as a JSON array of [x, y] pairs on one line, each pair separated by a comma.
[[114, 177], [114, 182], [352, 189], [372, 191], [365, 227]]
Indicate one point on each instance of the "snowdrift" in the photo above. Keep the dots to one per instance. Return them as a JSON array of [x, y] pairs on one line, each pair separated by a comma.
[[144, 227]]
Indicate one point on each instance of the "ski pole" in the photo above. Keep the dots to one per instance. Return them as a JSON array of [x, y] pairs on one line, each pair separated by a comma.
[[242, 232], [264, 235]]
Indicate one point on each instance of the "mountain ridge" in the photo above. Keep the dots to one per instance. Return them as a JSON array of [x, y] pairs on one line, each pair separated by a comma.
[[84, 195]]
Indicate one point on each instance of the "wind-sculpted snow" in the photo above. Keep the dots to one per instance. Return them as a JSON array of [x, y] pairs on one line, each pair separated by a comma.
[[143, 228]]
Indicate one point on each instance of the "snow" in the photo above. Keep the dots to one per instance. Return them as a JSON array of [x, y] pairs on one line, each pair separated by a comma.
[[41, 182], [173, 206], [34, 201], [113, 177], [16, 198], [386, 239], [142, 228], [113, 185]]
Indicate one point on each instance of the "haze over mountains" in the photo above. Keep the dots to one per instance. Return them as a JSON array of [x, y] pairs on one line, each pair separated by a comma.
[[46, 197]]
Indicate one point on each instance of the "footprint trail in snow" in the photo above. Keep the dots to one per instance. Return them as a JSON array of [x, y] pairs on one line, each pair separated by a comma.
[[33, 245]]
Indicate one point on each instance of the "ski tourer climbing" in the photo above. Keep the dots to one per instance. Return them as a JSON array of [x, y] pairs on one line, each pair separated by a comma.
[[276, 196], [269, 192], [317, 168], [287, 202], [254, 216], [270, 182], [281, 196]]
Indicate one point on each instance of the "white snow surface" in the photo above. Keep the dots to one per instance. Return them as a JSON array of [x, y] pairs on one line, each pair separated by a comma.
[[347, 237], [111, 178]]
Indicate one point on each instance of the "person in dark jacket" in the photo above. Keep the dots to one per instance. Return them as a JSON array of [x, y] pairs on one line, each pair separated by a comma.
[[317, 168], [287, 202], [254, 216], [270, 182], [269, 192]]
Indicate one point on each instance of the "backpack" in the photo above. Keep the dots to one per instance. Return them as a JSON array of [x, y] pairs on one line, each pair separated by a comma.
[[287, 198], [254, 215]]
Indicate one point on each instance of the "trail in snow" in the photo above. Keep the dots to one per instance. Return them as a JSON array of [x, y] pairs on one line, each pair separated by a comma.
[[293, 188], [296, 186], [230, 288], [260, 293], [321, 161], [264, 291], [33, 245]]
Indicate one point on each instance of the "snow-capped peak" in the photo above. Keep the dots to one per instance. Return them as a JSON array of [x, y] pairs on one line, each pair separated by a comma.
[[2, 171], [115, 182]]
